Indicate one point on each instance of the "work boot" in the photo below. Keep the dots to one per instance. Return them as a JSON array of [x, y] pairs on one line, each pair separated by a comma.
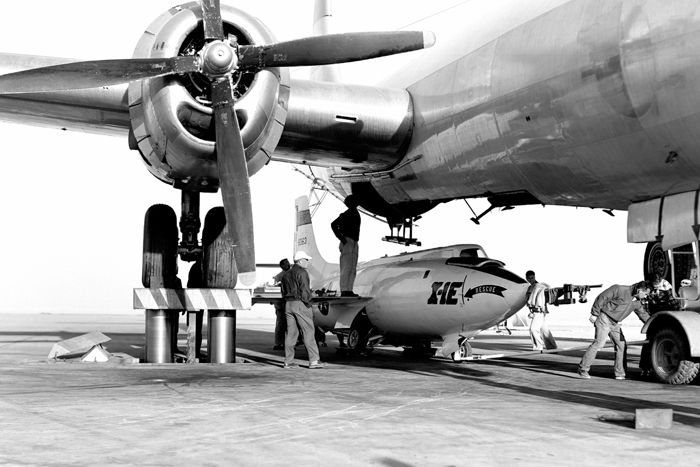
[[583, 374], [290, 365], [619, 376], [315, 364]]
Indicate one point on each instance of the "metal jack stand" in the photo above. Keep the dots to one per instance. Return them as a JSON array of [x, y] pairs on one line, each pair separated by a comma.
[[221, 305]]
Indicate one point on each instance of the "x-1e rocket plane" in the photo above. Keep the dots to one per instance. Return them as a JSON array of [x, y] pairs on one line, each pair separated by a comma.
[[449, 293]]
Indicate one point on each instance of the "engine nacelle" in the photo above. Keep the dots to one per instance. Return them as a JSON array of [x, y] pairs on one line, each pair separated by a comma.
[[171, 117]]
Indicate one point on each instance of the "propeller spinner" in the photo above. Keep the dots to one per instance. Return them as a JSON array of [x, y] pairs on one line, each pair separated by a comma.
[[219, 60]]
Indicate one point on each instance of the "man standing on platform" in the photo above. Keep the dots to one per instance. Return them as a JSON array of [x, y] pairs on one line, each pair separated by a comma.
[[347, 228]]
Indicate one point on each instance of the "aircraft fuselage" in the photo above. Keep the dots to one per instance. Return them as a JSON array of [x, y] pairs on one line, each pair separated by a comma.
[[583, 103], [429, 296]]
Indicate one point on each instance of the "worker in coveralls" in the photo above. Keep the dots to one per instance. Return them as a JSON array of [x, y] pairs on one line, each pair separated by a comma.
[[609, 309], [297, 294]]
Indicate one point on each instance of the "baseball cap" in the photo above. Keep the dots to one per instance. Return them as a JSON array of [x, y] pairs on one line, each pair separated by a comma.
[[301, 255]]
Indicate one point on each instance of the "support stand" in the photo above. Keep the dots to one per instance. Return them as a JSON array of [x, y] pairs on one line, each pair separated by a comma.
[[162, 305], [222, 336], [407, 237], [159, 347]]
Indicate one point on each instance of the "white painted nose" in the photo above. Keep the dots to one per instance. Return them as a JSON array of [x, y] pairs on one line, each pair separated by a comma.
[[515, 297]]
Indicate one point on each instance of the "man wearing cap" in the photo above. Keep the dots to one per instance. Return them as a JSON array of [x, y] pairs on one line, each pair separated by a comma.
[[297, 294], [347, 228]]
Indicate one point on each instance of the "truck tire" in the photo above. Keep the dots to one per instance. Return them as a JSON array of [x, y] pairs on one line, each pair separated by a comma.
[[656, 261], [670, 358]]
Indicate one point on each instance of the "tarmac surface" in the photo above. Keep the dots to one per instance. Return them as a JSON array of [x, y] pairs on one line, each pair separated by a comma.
[[383, 409]]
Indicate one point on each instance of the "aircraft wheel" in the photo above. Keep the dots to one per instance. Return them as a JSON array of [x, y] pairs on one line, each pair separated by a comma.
[[357, 340], [160, 237], [218, 262], [465, 350], [359, 333], [670, 358]]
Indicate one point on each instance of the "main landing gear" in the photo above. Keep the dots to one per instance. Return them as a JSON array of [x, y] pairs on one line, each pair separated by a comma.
[[465, 350], [360, 338], [218, 271]]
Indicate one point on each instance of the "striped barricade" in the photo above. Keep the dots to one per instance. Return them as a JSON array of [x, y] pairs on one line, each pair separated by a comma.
[[192, 299]]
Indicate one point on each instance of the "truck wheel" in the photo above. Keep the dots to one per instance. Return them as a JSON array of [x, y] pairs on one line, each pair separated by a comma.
[[669, 358], [656, 261]]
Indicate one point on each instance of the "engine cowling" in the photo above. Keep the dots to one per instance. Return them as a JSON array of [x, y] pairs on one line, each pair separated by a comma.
[[171, 117]]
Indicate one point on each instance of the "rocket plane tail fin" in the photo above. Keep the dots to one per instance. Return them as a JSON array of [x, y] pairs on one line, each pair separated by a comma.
[[305, 240]]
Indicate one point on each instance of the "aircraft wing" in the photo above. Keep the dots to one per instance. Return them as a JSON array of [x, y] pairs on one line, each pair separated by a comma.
[[272, 297]]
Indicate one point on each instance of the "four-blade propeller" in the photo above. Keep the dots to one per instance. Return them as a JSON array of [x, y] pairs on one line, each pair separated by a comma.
[[219, 59]]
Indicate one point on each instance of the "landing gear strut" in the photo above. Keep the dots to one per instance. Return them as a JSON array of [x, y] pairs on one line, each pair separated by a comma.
[[190, 249], [218, 271]]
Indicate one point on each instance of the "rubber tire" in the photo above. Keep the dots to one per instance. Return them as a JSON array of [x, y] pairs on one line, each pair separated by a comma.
[[356, 341], [218, 261], [669, 358], [656, 260], [160, 238], [359, 333], [465, 351]]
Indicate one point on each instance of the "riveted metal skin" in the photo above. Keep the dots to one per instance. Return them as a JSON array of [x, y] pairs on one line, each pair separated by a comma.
[[574, 102], [579, 103]]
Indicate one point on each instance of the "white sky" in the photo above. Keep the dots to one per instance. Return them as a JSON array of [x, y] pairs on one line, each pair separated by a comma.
[[73, 204]]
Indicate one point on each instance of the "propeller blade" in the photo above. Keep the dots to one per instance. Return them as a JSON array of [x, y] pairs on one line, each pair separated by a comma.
[[94, 74], [213, 26], [334, 48], [234, 181]]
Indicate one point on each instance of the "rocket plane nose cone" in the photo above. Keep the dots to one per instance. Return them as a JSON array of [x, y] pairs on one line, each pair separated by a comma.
[[515, 295]]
